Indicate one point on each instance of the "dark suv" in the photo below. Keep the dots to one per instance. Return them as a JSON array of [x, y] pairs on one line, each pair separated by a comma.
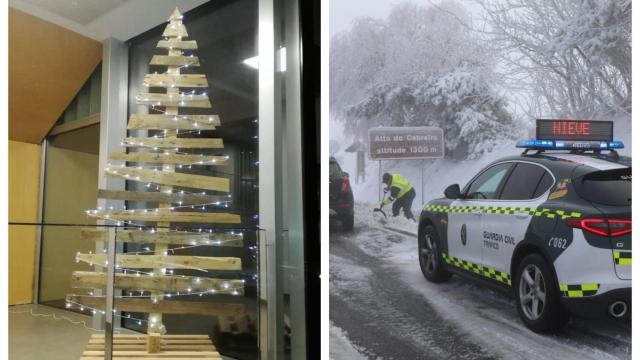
[[340, 195]]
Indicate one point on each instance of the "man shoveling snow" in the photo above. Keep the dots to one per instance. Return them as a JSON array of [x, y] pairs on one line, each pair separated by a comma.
[[401, 194]]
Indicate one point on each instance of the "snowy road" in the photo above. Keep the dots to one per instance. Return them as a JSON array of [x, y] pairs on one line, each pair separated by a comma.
[[382, 308]]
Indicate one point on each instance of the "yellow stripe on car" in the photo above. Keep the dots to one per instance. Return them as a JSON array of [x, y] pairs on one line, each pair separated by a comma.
[[551, 214], [494, 274], [578, 290], [622, 257]]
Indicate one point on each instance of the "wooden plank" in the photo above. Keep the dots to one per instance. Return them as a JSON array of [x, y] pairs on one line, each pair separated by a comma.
[[174, 100], [165, 307], [169, 60], [168, 343], [178, 44], [153, 343], [98, 280], [138, 347], [76, 124], [163, 355], [149, 357], [140, 341], [169, 178], [174, 159], [166, 336], [162, 197], [173, 122], [169, 238], [183, 143], [164, 215], [175, 30], [165, 261], [173, 81]]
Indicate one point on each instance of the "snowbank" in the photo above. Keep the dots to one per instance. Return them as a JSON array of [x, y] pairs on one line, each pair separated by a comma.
[[340, 348]]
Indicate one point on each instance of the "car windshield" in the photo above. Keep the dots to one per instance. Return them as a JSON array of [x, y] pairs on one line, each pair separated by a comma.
[[610, 187], [334, 170]]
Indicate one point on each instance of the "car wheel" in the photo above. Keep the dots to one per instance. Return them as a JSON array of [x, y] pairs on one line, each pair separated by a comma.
[[431, 257], [537, 295], [347, 222]]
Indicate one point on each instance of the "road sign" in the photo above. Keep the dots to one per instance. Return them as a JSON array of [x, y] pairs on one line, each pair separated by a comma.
[[425, 142]]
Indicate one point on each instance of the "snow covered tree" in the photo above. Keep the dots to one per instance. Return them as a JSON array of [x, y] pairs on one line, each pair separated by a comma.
[[576, 55], [422, 66]]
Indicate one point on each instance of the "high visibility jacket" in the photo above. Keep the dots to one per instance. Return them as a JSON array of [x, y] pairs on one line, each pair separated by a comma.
[[398, 188]]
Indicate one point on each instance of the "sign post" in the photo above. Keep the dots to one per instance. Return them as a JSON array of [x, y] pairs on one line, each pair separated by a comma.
[[405, 143]]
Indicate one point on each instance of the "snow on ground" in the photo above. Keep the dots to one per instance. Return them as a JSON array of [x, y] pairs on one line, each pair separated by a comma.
[[484, 314], [340, 348]]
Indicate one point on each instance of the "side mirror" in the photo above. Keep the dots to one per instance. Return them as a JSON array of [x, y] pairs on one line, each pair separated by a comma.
[[452, 192], [345, 173]]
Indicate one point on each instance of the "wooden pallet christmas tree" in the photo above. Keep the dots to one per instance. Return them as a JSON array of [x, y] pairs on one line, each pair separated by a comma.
[[150, 272]]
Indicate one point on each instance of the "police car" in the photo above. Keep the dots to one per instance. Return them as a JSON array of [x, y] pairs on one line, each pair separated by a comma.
[[552, 226]]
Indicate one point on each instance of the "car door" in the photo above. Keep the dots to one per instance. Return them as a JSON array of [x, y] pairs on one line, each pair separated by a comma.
[[465, 220], [506, 223]]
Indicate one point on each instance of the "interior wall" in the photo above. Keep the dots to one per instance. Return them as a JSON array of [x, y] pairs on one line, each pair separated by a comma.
[[24, 185], [48, 64]]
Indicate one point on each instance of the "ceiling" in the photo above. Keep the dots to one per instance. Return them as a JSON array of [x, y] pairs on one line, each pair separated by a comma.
[[102, 19], [48, 64], [80, 11]]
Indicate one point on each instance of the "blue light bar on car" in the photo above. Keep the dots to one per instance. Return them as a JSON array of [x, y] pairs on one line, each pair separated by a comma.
[[569, 145]]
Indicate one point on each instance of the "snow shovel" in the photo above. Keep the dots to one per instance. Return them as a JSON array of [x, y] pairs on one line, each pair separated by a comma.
[[381, 211]]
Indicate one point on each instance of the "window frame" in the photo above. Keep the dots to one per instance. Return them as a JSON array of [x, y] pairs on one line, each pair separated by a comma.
[[506, 178], [500, 185], [513, 169]]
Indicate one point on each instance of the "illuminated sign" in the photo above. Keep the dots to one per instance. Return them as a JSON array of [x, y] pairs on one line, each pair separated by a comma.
[[560, 129]]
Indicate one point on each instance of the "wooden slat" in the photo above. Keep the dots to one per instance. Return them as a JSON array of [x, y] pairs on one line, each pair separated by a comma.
[[167, 336], [173, 122], [165, 307], [168, 178], [169, 342], [98, 280], [174, 30], [168, 60], [165, 261], [177, 44], [162, 197], [162, 355], [149, 357], [170, 80], [183, 143], [139, 347], [163, 215], [174, 159], [182, 101], [169, 238]]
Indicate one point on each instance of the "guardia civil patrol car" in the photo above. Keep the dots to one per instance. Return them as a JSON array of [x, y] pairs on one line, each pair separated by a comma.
[[552, 226]]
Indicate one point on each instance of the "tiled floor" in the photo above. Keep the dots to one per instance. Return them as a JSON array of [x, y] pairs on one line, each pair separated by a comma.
[[33, 337]]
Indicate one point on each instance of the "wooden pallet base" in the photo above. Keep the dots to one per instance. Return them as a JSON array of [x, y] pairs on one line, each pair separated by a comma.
[[173, 347]]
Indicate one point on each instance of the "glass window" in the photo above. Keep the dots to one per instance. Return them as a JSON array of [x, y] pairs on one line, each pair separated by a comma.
[[223, 48], [611, 187], [544, 185], [523, 182], [485, 186], [334, 170], [70, 188]]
